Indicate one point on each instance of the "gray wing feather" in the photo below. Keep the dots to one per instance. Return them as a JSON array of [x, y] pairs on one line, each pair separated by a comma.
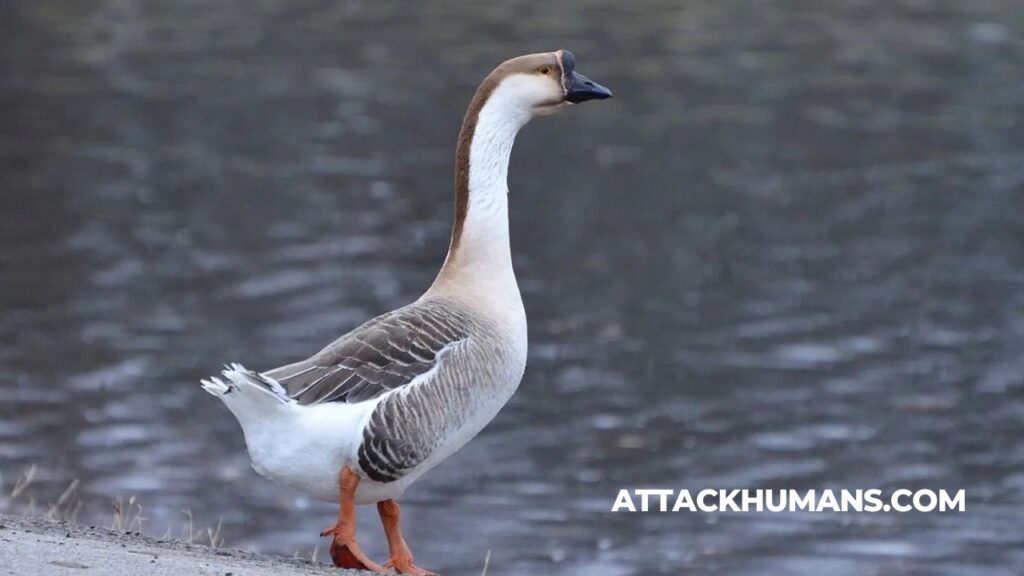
[[383, 354]]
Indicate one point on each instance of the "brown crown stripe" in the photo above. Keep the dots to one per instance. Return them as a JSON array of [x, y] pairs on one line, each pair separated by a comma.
[[522, 64]]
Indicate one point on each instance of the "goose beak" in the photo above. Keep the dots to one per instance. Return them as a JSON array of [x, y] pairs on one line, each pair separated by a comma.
[[582, 89]]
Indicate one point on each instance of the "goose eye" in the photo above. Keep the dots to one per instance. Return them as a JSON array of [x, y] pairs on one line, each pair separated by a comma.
[[544, 70]]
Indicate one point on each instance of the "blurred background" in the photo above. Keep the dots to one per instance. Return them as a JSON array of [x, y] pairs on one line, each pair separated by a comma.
[[788, 254]]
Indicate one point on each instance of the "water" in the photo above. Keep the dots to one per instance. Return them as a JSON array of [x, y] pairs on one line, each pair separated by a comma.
[[788, 254]]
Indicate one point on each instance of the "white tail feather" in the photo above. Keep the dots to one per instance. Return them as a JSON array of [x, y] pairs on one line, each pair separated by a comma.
[[239, 378]]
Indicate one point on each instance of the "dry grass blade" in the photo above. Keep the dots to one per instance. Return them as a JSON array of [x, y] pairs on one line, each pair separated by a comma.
[[216, 540], [487, 562], [186, 532], [66, 507], [23, 481]]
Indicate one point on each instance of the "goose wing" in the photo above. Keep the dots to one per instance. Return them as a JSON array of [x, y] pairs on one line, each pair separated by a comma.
[[386, 353]]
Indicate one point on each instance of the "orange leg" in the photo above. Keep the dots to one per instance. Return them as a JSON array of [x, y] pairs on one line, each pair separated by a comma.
[[344, 550], [401, 557]]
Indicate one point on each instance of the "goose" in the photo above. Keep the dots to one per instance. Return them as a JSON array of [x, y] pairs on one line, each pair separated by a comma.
[[363, 418]]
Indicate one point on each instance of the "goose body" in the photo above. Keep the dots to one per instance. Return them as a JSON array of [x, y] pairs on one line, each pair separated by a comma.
[[440, 384], [366, 416]]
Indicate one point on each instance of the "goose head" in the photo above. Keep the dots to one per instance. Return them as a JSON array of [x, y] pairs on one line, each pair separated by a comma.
[[540, 84]]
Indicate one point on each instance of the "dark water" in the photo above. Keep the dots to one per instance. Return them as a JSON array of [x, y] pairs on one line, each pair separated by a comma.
[[788, 254]]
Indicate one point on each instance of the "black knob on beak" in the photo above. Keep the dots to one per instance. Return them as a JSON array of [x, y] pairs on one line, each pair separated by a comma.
[[579, 88], [582, 89]]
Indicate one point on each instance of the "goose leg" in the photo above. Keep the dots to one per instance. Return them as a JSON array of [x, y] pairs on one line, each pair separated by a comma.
[[344, 550], [401, 556]]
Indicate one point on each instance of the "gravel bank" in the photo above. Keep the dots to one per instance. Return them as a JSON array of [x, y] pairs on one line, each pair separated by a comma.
[[35, 547]]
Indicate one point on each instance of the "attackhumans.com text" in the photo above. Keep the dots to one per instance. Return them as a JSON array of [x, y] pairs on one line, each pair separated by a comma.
[[742, 500]]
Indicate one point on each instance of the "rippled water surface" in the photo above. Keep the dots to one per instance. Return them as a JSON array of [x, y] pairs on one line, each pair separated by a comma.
[[788, 254]]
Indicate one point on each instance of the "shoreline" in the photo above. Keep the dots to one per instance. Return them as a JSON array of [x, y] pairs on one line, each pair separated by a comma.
[[30, 546]]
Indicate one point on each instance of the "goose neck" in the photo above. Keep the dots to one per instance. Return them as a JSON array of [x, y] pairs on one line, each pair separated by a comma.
[[480, 252]]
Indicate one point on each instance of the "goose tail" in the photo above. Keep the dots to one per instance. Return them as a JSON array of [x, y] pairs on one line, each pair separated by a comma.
[[244, 390]]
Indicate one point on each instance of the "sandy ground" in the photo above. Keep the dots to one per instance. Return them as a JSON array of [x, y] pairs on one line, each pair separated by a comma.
[[36, 547]]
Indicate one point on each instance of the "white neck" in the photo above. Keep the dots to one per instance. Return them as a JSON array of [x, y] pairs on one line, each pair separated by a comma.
[[481, 262]]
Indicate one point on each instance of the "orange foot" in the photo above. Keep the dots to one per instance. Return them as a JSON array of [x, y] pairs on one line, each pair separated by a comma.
[[404, 565], [401, 557], [345, 553]]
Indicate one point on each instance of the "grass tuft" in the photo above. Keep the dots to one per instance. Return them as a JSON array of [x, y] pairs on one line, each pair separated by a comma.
[[127, 515], [216, 540]]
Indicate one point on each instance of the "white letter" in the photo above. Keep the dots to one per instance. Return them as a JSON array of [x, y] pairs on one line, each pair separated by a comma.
[[780, 505], [623, 501], [828, 499], [684, 501], [663, 500], [852, 501], [661, 493], [874, 499], [896, 500], [727, 500], [757, 498], [798, 503], [958, 503], [704, 507], [932, 500]]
